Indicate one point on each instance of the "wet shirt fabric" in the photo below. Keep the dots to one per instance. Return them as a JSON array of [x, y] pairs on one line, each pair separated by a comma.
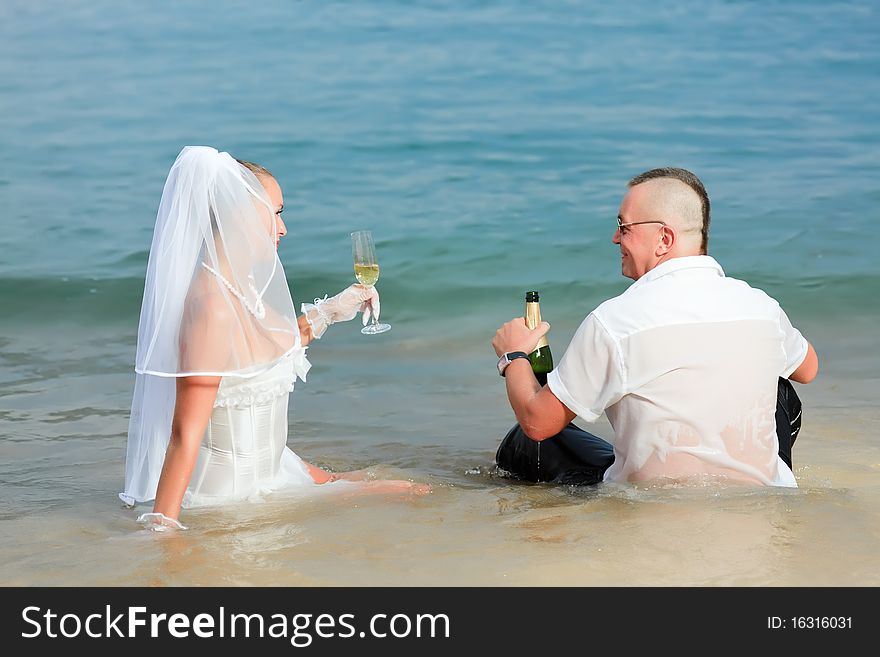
[[685, 364]]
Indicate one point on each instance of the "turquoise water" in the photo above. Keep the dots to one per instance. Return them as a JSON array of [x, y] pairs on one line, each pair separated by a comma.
[[487, 145]]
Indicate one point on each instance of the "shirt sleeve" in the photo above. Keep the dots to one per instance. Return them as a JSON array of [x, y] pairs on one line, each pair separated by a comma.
[[794, 345], [590, 376]]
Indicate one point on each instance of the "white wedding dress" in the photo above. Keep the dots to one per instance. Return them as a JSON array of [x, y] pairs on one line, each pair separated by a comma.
[[244, 451], [216, 303]]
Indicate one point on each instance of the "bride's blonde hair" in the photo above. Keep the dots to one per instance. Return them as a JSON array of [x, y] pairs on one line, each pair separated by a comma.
[[256, 169]]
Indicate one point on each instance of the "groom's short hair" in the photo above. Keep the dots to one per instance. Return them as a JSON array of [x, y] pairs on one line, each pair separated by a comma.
[[691, 180]]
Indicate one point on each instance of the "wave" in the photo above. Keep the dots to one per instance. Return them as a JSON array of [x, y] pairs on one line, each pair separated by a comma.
[[413, 296]]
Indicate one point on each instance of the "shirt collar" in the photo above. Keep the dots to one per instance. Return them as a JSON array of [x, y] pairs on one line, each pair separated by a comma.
[[679, 264]]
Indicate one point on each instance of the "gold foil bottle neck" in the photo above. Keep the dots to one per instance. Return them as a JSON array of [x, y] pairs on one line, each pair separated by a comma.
[[533, 319]]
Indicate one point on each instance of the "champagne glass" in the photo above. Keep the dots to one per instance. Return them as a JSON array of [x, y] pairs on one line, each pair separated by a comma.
[[366, 270]]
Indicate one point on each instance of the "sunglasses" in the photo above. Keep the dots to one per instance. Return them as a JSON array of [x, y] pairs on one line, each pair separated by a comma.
[[622, 227]]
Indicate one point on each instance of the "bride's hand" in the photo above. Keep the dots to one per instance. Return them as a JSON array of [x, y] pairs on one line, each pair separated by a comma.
[[354, 299], [159, 522]]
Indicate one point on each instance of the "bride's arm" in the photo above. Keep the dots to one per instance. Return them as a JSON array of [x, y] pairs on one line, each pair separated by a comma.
[[205, 346], [305, 331], [192, 410]]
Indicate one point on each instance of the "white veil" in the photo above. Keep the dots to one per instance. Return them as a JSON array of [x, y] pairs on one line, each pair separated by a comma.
[[216, 301]]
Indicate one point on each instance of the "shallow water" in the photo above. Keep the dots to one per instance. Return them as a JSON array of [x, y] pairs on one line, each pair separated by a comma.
[[474, 528], [487, 145]]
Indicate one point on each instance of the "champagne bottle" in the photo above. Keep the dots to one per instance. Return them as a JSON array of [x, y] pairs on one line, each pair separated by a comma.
[[540, 358]]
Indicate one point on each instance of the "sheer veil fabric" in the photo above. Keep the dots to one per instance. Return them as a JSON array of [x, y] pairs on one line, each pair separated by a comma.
[[216, 301]]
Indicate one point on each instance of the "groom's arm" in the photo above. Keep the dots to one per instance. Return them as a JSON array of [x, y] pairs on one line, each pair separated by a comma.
[[538, 411], [808, 369]]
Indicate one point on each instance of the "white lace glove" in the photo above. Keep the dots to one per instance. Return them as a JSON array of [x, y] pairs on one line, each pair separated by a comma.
[[159, 522], [341, 308]]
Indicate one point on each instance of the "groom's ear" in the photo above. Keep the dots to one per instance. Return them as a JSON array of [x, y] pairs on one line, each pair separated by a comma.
[[666, 240]]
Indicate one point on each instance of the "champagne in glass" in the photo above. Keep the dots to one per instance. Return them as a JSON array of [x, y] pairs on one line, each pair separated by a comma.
[[366, 270], [366, 274]]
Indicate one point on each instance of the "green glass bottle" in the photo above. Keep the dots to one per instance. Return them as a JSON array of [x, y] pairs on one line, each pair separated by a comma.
[[541, 358]]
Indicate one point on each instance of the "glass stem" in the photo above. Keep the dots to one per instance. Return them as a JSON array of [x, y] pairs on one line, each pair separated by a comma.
[[373, 319]]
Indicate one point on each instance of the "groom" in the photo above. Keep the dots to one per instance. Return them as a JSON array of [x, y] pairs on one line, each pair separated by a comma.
[[691, 367]]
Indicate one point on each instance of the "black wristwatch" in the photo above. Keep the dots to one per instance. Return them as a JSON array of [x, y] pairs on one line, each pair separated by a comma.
[[508, 358]]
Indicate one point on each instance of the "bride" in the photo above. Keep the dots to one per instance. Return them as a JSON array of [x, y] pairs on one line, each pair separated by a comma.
[[220, 346]]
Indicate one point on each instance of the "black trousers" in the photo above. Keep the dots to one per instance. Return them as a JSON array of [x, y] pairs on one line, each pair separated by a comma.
[[574, 456]]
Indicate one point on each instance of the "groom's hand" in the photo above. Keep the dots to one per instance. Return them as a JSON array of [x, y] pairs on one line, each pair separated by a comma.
[[516, 336]]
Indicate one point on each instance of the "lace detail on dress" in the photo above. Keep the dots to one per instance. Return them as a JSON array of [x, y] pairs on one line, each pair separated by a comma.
[[278, 380], [250, 395]]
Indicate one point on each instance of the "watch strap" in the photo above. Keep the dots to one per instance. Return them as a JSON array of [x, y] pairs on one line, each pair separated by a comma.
[[509, 357]]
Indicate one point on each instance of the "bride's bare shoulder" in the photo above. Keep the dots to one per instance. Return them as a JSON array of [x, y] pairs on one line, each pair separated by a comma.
[[207, 303]]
